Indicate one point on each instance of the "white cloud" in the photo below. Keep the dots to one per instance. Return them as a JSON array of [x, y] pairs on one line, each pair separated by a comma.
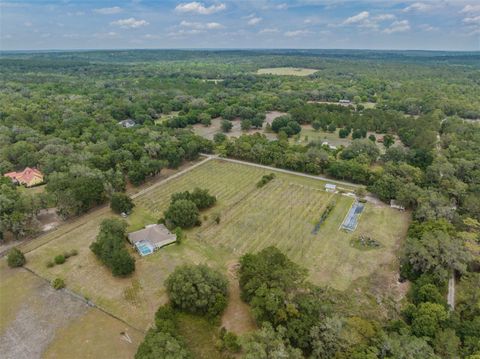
[[76, 13], [282, 6], [418, 6], [71, 36], [470, 9], [297, 33], [360, 17], [130, 23], [397, 26], [152, 36], [364, 20], [185, 32], [384, 17], [108, 10], [472, 20], [427, 27], [268, 31], [254, 21], [199, 8], [201, 26], [105, 35]]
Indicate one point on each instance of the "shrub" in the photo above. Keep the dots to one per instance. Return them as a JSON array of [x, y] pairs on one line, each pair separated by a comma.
[[50, 264], [60, 259], [109, 247], [121, 203], [182, 213], [265, 179], [197, 289], [200, 197], [58, 283], [161, 345], [286, 124], [343, 133], [226, 126], [180, 235], [219, 138], [15, 258], [73, 252], [122, 263]]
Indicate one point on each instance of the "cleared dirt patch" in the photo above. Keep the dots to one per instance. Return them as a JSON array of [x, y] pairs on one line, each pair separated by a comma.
[[36, 321], [237, 317], [272, 115]]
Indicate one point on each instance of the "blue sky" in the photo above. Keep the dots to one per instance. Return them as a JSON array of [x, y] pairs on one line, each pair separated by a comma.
[[361, 24]]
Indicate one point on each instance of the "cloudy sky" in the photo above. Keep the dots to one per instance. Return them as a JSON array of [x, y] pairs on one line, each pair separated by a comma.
[[347, 24]]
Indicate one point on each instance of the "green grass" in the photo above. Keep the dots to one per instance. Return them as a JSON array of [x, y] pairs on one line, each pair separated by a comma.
[[94, 335], [164, 117], [15, 286], [200, 336], [287, 71], [283, 213], [308, 134]]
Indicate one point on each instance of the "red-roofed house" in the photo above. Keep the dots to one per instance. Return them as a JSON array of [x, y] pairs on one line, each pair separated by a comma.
[[28, 177]]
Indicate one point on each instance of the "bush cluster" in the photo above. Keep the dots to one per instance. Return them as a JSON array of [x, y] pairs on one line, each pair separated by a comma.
[[163, 341], [61, 258], [185, 208], [58, 283], [197, 289], [265, 179], [121, 203], [110, 248], [15, 258]]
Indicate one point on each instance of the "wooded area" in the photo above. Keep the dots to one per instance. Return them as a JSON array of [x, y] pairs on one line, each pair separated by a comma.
[[62, 113]]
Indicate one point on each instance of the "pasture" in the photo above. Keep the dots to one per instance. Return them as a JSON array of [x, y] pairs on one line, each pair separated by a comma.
[[37, 321], [283, 213], [216, 127], [287, 71], [308, 134]]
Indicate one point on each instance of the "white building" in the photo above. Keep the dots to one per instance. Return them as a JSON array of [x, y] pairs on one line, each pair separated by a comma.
[[329, 187]]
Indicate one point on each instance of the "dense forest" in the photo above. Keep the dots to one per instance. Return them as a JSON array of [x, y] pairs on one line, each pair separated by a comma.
[[61, 112]]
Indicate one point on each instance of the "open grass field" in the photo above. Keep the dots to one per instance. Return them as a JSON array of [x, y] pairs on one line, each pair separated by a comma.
[[286, 71], [165, 117], [236, 131], [37, 321], [283, 213], [308, 134], [94, 335]]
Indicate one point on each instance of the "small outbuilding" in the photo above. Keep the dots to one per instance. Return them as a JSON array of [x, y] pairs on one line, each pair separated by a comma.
[[151, 238], [325, 143], [329, 187], [396, 205], [127, 123], [344, 102]]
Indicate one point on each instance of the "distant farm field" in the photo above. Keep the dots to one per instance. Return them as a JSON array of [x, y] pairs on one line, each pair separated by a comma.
[[283, 213], [286, 71]]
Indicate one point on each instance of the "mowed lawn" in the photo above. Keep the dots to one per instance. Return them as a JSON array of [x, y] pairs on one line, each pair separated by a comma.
[[283, 214], [286, 71]]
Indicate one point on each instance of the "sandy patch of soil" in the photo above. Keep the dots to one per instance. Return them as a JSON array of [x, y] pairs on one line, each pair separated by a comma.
[[237, 317], [36, 322]]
